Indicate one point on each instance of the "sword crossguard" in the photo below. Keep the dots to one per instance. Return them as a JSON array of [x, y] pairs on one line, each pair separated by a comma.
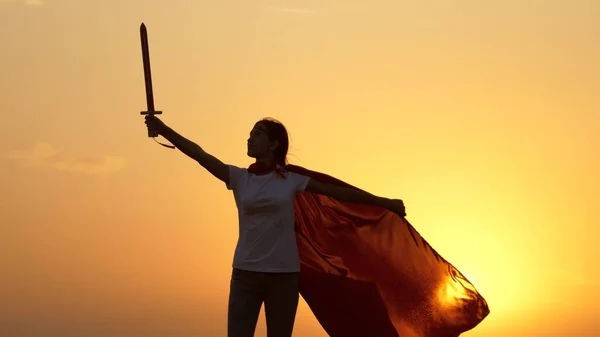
[[151, 134]]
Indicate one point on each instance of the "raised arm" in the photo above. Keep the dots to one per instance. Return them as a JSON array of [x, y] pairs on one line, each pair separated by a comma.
[[212, 164]]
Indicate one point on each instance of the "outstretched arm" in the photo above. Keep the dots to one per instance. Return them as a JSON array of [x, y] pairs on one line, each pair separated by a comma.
[[351, 195], [212, 164]]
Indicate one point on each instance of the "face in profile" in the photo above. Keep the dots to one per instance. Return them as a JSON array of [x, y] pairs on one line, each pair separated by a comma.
[[259, 144]]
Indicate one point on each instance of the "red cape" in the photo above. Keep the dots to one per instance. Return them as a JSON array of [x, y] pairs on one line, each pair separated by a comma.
[[366, 272]]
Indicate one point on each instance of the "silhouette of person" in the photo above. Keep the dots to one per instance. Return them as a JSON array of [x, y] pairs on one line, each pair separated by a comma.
[[266, 264]]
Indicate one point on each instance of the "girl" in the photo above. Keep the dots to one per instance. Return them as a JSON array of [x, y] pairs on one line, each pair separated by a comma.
[[266, 263]]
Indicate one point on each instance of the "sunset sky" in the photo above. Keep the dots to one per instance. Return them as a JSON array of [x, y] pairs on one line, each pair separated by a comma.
[[480, 115]]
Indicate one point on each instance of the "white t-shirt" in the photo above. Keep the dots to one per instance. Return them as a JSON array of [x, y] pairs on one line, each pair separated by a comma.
[[267, 240]]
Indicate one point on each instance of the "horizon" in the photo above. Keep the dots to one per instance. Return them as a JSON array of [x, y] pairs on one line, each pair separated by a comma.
[[484, 116]]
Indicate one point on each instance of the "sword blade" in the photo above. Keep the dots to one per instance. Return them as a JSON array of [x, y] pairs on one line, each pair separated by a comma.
[[147, 71]]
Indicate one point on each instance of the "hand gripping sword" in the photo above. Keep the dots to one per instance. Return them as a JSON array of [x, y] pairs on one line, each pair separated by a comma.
[[148, 79]]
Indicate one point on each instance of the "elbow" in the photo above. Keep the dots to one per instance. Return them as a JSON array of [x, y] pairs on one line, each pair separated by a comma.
[[335, 192]]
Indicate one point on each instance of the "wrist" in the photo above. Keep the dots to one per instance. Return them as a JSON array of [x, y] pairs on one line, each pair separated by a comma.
[[164, 130]]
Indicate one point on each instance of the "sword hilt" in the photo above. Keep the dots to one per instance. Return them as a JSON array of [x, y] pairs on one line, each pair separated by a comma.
[[151, 134]]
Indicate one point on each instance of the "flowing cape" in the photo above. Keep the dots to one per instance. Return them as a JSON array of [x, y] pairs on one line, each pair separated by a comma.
[[366, 272]]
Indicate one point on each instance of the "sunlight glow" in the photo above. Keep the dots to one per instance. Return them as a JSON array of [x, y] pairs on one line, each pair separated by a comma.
[[481, 116]]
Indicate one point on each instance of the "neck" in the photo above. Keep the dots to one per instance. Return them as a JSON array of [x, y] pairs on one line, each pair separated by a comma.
[[261, 167], [268, 162]]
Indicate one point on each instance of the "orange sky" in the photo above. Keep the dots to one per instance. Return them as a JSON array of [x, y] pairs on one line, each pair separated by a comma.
[[480, 116]]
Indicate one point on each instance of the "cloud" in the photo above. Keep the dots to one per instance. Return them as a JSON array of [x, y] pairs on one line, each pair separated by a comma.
[[46, 156], [290, 10]]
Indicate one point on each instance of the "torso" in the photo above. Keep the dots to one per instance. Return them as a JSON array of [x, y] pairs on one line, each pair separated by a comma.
[[267, 239]]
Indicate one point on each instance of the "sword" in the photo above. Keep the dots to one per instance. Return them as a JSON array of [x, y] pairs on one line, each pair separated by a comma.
[[148, 78]]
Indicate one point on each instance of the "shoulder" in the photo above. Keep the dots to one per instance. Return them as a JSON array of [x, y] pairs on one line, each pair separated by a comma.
[[232, 167], [236, 170], [296, 176], [299, 181], [236, 174]]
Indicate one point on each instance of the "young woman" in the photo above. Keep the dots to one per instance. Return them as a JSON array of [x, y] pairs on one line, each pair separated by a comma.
[[266, 264]]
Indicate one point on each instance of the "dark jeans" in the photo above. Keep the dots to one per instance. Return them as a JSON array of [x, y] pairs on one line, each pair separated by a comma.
[[248, 290]]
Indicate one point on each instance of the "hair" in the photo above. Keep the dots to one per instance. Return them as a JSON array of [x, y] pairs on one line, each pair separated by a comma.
[[277, 132]]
